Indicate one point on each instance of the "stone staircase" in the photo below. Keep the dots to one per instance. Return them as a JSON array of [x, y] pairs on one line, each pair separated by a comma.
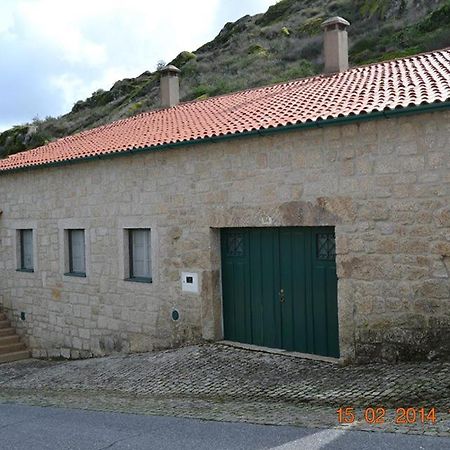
[[11, 348]]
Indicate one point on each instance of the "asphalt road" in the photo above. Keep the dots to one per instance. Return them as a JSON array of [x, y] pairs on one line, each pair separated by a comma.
[[31, 428]]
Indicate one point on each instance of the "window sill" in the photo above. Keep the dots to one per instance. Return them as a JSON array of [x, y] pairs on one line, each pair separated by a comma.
[[75, 274], [139, 280], [25, 270]]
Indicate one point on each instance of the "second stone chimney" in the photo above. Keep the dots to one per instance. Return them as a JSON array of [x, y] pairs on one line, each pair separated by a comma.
[[169, 86], [335, 45]]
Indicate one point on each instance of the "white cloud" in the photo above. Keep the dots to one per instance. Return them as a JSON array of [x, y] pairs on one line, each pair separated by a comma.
[[113, 31], [56, 24], [6, 23]]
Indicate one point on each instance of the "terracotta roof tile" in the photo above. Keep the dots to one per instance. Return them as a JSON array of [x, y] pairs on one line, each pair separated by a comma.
[[412, 81]]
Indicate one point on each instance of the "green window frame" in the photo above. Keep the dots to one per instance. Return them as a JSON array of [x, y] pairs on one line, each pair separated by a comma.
[[26, 256], [139, 255], [77, 252]]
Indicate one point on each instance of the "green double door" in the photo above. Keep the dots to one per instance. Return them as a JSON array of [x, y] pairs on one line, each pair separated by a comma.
[[279, 288]]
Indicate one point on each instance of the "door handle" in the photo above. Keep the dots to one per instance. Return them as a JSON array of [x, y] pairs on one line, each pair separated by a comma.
[[281, 295]]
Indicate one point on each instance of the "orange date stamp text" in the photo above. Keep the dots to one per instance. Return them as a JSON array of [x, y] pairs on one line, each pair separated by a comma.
[[378, 415]]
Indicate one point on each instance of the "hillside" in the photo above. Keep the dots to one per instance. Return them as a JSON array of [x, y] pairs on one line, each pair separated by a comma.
[[283, 43]]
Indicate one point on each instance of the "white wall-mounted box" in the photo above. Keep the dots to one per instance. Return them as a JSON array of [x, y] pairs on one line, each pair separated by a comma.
[[189, 282]]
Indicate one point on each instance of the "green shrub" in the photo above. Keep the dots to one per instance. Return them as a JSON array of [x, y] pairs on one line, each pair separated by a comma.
[[78, 106], [275, 13], [190, 69], [312, 12], [135, 107], [300, 70], [311, 27], [21, 138], [183, 58], [437, 39], [200, 90], [202, 97], [369, 58], [214, 86], [436, 19], [256, 49], [364, 44]]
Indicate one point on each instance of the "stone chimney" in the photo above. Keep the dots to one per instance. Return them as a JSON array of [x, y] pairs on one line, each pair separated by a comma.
[[169, 86], [335, 45]]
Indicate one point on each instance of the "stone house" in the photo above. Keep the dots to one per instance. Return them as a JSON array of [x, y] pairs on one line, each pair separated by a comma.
[[312, 216]]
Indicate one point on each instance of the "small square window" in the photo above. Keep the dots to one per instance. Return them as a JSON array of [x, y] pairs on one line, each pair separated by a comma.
[[139, 249], [325, 246], [235, 244], [26, 250], [77, 258]]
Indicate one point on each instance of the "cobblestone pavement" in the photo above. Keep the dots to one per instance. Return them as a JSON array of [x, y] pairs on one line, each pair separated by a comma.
[[218, 382]]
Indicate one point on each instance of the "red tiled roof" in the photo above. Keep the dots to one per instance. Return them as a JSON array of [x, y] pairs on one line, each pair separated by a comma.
[[413, 81]]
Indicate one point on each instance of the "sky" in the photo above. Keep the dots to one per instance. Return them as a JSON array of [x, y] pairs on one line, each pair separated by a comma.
[[55, 52]]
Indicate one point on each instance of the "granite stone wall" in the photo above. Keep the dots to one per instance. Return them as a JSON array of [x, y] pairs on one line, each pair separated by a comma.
[[384, 185]]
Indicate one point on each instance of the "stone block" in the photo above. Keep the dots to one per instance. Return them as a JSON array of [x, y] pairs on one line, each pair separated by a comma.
[[433, 289], [65, 353], [442, 217]]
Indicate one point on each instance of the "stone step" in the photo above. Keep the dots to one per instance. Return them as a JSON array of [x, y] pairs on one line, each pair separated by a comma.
[[3, 316], [14, 356], [4, 324], [7, 332], [6, 340], [12, 348]]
